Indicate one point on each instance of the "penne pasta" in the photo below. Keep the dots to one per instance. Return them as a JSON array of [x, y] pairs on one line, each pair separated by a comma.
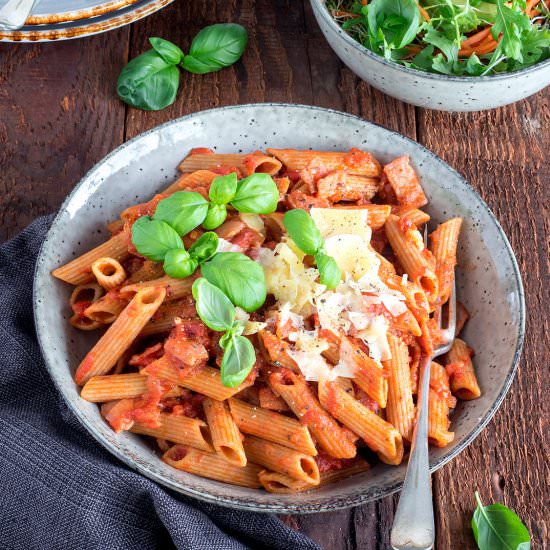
[[212, 466], [226, 437], [272, 426], [175, 288], [459, 367], [246, 164], [407, 244], [378, 434], [79, 271], [444, 241], [282, 459], [120, 335], [299, 397], [108, 272], [198, 181], [400, 407], [438, 407], [178, 429], [355, 161]]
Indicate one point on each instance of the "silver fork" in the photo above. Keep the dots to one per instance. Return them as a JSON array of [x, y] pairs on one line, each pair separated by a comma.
[[14, 13], [413, 525]]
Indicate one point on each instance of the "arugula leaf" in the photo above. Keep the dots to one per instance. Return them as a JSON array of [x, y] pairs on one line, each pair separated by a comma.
[[439, 40], [154, 238], [496, 527], [510, 22]]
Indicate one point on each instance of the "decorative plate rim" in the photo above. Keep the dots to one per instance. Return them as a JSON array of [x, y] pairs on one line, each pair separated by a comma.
[[79, 28], [329, 503]]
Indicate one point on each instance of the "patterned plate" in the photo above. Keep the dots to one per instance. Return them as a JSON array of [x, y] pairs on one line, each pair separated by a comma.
[[89, 17]]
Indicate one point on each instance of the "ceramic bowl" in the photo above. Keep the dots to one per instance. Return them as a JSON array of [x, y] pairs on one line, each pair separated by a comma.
[[433, 91], [489, 282]]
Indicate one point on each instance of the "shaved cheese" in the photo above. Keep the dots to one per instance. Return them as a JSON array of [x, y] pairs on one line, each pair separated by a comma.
[[288, 279], [253, 221], [253, 327], [226, 246], [342, 221], [396, 306], [352, 255], [375, 336]]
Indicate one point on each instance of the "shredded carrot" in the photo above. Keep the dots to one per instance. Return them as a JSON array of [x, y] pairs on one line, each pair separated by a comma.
[[530, 7], [484, 47], [412, 50], [342, 13], [364, 2], [423, 12], [476, 38]]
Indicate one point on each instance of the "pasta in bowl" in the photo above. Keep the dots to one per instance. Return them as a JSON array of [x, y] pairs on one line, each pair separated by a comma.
[[262, 318]]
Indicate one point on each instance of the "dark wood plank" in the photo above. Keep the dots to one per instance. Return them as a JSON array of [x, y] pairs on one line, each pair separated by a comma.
[[504, 155], [58, 117]]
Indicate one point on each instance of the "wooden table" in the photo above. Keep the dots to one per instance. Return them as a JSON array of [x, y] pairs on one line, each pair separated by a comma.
[[59, 115]]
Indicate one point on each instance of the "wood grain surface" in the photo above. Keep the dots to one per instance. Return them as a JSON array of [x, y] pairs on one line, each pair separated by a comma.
[[59, 115]]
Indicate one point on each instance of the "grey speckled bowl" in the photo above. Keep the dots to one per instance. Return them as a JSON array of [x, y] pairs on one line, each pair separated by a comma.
[[434, 91], [489, 282]]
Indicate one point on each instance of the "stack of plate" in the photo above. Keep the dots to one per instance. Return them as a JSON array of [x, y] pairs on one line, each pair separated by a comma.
[[64, 19]]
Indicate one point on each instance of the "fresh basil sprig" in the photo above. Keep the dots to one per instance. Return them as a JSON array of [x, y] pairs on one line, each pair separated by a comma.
[[183, 210], [496, 527], [151, 80], [303, 231], [218, 313], [239, 277], [158, 241], [179, 263]]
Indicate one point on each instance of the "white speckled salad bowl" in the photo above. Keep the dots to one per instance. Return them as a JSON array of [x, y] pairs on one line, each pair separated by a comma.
[[433, 91], [489, 285]]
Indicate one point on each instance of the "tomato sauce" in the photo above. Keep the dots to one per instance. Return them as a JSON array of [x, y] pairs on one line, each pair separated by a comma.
[[327, 463]]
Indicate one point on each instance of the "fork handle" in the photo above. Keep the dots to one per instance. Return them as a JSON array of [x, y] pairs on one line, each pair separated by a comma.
[[413, 526], [14, 14]]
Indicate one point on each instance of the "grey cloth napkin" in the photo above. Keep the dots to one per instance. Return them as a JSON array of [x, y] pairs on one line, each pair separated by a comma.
[[58, 488]]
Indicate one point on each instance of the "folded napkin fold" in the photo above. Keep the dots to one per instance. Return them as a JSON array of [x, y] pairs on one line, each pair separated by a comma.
[[58, 487]]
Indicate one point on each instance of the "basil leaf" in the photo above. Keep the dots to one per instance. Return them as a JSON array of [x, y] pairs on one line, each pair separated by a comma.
[[329, 272], [223, 188], [239, 277], [216, 47], [204, 247], [168, 51], [238, 359], [498, 528], [154, 238], [256, 194], [179, 264], [215, 217], [303, 231], [213, 306], [397, 20], [183, 210], [148, 82]]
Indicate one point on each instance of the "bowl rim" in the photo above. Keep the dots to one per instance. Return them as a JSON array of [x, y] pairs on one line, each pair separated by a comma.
[[330, 503], [324, 13]]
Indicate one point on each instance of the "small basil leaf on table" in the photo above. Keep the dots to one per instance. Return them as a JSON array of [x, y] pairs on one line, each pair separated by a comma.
[[498, 528], [148, 82], [213, 306], [238, 359], [216, 47], [154, 238], [168, 51], [183, 210], [204, 247], [215, 216], [256, 194], [303, 231], [223, 188], [239, 277], [329, 272], [179, 264]]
